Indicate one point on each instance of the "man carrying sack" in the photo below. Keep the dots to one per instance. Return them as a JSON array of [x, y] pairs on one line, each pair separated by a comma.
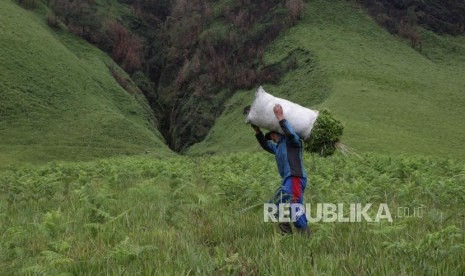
[[287, 149]]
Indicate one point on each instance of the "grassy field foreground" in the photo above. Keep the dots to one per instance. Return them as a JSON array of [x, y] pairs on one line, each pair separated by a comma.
[[191, 216]]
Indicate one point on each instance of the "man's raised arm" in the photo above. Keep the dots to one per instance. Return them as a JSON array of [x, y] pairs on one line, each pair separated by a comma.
[[286, 126]]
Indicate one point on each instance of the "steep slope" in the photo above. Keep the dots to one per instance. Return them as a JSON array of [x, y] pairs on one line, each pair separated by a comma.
[[59, 99], [391, 97]]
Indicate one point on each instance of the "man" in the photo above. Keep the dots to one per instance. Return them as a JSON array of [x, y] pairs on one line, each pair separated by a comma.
[[287, 150]]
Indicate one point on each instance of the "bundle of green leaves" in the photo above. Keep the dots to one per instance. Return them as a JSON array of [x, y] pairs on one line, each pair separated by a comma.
[[326, 134]]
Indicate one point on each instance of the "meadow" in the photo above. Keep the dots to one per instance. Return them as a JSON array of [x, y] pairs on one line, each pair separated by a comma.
[[204, 216]]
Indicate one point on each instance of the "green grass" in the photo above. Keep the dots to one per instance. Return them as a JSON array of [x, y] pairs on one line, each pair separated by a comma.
[[59, 100], [186, 216], [392, 98], [175, 215]]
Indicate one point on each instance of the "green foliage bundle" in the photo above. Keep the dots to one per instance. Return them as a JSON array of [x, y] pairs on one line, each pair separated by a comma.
[[326, 134]]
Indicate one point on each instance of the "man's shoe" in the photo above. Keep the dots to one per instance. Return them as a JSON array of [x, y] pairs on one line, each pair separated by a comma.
[[285, 228], [304, 231]]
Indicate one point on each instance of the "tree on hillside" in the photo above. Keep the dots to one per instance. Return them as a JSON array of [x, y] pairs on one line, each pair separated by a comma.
[[408, 28], [440, 16], [126, 47], [296, 9], [80, 17]]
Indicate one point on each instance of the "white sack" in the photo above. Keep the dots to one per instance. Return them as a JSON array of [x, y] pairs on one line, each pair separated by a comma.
[[261, 114]]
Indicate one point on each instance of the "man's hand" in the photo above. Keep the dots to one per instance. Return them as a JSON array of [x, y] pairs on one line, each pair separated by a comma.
[[278, 112], [256, 128]]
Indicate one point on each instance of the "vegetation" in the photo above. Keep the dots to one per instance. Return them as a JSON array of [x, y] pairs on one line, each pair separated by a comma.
[[212, 49], [59, 101], [326, 134], [405, 17], [160, 213], [444, 17], [180, 215], [190, 57], [187, 57], [390, 98]]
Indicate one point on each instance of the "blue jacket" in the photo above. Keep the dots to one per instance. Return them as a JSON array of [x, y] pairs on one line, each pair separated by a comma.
[[287, 152]]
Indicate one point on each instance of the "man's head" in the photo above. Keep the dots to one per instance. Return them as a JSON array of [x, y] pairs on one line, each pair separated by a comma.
[[273, 135]]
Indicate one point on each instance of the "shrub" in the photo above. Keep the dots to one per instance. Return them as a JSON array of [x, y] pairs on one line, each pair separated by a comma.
[[326, 134], [126, 47], [120, 79], [296, 9], [28, 4], [52, 21]]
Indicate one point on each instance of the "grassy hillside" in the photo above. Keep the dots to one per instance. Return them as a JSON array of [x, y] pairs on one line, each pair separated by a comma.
[[59, 99], [390, 97], [181, 216]]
